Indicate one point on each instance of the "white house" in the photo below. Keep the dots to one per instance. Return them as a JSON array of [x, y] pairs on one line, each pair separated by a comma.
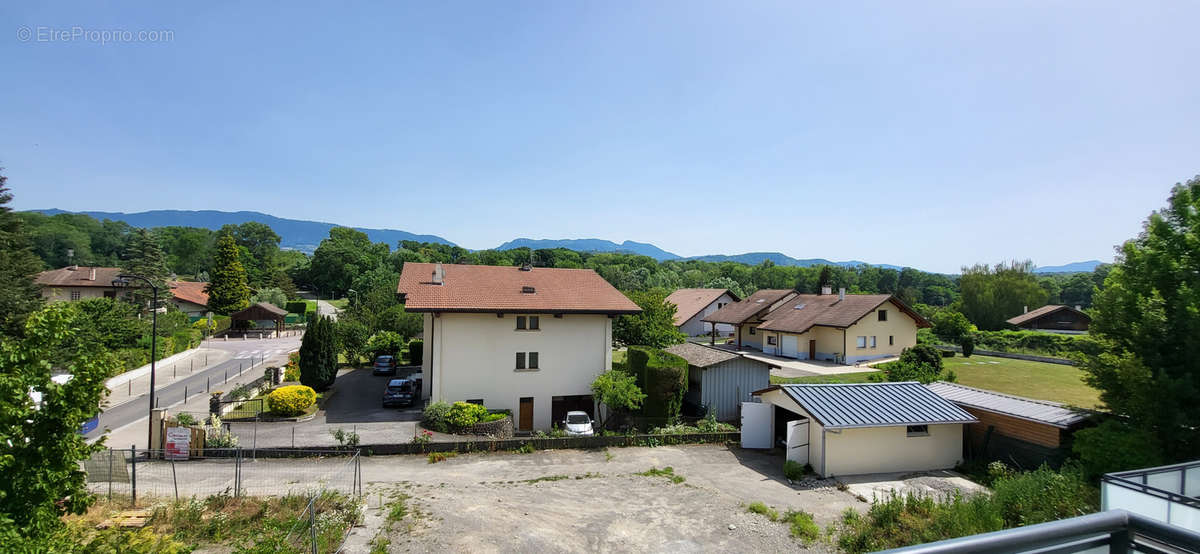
[[78, 282], [851, 429], [190, 297], [526, 339], [691, 305]]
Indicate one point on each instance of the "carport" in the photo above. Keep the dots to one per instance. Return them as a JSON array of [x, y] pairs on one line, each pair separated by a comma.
[[852, 429], [261, 311]]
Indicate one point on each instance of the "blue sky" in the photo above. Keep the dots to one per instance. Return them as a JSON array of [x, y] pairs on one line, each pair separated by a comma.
[[915, 133]]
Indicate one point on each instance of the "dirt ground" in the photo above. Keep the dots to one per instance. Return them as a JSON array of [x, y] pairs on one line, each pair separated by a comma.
[[594, 501]]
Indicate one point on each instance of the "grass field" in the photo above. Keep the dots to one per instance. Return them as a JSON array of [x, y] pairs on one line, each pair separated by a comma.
[[1055, 382]]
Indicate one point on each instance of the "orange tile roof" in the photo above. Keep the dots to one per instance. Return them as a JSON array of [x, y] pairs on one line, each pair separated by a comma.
[[484, 288], [190, 291], [689, 302], [78, 276]]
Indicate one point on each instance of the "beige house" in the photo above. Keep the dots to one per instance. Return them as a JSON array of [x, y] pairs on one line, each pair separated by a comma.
[[852, 429], [843, 328], [530, 340], [77, 282]]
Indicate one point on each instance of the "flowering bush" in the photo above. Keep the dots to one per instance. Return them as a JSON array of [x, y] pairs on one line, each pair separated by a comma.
[[463, 414], [291, 400]]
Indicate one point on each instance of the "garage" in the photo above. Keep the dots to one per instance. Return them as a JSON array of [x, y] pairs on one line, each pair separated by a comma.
[[853, 429]]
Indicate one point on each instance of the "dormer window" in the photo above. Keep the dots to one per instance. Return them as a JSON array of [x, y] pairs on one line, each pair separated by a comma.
[[528, 290]]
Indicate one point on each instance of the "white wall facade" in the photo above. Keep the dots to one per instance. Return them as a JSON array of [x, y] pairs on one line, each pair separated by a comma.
[[874, 449], [471, 356], [694, 327], [63, 294]]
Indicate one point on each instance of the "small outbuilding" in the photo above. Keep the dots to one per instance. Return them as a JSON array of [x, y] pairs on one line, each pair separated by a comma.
[[720, 380], [851, 429], [1014, 429], [262, 314], [1062, 319]]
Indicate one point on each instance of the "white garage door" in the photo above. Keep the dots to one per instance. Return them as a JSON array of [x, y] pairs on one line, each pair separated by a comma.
[[789, 346], [797, 441], [756, 425]]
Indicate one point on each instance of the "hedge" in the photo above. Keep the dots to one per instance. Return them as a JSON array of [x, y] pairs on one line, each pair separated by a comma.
[[296, 307], [291, 400], [663, 376], [1034, 342], [416, 351]]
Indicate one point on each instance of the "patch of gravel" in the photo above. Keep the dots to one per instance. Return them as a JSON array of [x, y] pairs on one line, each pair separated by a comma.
[[611, 513]]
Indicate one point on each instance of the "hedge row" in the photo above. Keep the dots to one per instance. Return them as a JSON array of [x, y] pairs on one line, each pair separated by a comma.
[[1034, 342]]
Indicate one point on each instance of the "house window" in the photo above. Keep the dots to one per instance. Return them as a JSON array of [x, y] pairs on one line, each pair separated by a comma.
[[752, 330], [533, 360], [771, 340], [533, 323], [917, 430], [527, 360], [520, 360], [74, 295], [891, 340], [520, 323], [872, 342], [527, 323], [861, 342], [882, 315]]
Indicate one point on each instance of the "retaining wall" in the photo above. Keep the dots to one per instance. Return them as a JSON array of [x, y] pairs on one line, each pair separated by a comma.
[[1013, 355]]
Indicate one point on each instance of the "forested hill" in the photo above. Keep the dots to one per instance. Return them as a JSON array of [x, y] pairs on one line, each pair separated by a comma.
[[591, 245], [294, 234], [755, 258]]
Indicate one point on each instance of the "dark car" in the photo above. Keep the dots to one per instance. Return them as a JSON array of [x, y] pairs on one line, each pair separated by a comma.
[[385, 365], [400, 392]]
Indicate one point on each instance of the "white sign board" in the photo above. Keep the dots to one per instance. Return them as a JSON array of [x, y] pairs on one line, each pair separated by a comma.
[[178, 443]]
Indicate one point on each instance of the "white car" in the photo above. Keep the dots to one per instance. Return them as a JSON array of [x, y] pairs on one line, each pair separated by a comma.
[[578, 424]]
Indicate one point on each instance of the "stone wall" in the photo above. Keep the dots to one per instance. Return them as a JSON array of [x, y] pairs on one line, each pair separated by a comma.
[[499, 429]]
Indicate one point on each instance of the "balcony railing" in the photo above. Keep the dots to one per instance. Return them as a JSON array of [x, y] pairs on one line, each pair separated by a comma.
[[1110, 531], [1167, 494]]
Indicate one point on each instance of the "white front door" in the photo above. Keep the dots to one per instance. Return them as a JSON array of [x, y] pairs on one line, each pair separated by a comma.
[[756, 425], [788, 343], [797, 441]]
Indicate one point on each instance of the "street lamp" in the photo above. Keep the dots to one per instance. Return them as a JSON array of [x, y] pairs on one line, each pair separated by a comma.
[[123, 281], [355, 293], [318, 301]]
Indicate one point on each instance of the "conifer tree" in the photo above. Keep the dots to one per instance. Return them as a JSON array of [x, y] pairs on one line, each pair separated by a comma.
[[227, 289], [19, 295], [145, 257], [318, 355]]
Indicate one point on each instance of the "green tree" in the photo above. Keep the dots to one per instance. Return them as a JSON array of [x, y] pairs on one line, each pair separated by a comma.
[[227, 289], [271, 296], [112, 324], [353, 336], [991, 295], [145, 258], [951, 326], [655, 326], [318, 354], [619, 393], [43, 447], [346, 254], [726, 283], [1147, 318], [385, 343], [19, 296], [259, 245]]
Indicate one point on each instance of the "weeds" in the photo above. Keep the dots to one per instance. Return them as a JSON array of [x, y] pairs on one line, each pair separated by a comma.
[[346, 439], [547, 478], [795, 471], [608, 456], [802, 526], [764, 510], [526, 448], [435, 457], [668, 472]]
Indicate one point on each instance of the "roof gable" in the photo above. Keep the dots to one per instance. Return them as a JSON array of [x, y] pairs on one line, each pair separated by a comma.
[[847, 406], [1043, 312], [485, 288], [739, 312], [689, 302], [829, 310]]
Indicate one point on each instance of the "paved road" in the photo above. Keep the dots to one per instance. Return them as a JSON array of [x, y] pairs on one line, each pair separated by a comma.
[[328, 309], [246, 356]]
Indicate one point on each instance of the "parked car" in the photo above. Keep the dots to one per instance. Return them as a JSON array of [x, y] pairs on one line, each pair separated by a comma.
[[385, 365], [399, 392], [578, 424]]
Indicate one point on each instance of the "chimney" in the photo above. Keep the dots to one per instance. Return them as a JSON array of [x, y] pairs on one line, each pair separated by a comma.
[[439, 275], [842, 293], [826, 289], [93, 275], [1026, 310]]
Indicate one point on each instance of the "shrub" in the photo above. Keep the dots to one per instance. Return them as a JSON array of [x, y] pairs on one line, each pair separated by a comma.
[[463, 415], [385, 343], [947, 353], [1043, 495], [763, 509], [435, 457], [435, 415], [968, 345], [185, 420], [662, 376], [1115, 446], [416, 351], [297, 307], [215, 436], [291, 400], [344, 438], [241, 392], [794, 470], [291, 372]]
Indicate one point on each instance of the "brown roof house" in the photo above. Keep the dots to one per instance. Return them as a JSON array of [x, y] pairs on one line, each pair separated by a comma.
[[1055, 318], [844, 328], [190, 297], [78, 282], [526, 339], [691, 305]]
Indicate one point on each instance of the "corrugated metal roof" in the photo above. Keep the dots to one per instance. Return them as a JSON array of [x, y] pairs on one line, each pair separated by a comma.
[[1041, 411], [875, 405]]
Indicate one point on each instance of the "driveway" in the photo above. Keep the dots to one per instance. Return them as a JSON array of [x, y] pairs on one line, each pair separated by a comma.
[[355, 406]]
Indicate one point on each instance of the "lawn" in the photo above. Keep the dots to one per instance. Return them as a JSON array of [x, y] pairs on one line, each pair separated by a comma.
[[1056, 382], [340, 303], [618, 356]]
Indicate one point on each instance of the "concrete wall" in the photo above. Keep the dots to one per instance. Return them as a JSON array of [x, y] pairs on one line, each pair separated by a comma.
[[473, 356], [726, 385], [890, 449], [754, 340], [899, 326], [694, 327], [63, 294]]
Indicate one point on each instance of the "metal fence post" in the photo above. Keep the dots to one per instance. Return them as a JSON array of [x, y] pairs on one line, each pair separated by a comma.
[[133, 472], [237, 472], [312, 523], [175, 480], [110, 474]]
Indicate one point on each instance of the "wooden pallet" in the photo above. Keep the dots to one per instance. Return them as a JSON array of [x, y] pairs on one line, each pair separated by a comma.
[[128, 519]]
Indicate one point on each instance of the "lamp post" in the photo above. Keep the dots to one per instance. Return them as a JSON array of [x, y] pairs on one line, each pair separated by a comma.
[[318, 301], [355, 293], [123, 281]]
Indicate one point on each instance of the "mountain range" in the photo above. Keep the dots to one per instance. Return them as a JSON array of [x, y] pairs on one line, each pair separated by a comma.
[[302, 235]]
